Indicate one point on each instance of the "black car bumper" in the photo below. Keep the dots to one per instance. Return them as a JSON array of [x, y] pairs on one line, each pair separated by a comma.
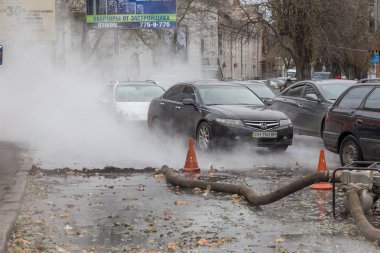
[[232, 134], [331, 141]]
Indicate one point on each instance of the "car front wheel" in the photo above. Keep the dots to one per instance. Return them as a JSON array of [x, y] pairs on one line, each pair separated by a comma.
[[155, 126], [204, 136], [350, 150]]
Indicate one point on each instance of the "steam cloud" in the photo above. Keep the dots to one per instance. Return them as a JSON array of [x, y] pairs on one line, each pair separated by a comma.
[[57, 112]]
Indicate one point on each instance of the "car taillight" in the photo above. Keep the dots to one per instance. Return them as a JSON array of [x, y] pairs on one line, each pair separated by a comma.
[[326, 118]]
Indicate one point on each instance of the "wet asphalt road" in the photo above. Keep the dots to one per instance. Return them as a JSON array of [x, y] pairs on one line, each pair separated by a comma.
[[140, 213]]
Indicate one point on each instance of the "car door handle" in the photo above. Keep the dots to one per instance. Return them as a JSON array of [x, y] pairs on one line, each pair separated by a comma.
[[178, 107], [300, 105], [162, 103], [359, 121]]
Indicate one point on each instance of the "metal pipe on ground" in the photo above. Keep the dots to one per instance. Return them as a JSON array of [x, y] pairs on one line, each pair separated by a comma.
[[252, 197], [354, 206]]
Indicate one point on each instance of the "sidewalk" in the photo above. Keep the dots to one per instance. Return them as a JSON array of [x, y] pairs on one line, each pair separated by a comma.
[[14, 167]]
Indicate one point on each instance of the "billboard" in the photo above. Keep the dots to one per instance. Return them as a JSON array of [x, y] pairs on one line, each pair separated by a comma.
[[26, 19], [131, 14]]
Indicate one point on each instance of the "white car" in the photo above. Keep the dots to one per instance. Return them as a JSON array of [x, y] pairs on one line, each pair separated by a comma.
[[130, 100]]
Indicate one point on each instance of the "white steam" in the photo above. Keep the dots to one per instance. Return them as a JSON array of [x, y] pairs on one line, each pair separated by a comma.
[[57, 111]]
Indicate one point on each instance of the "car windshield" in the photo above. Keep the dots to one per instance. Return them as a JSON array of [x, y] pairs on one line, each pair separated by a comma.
[[137, 93], [228, 95], [262, 91], [333, 91]]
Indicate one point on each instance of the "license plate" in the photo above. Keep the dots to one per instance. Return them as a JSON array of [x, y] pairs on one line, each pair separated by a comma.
[[264, 134]]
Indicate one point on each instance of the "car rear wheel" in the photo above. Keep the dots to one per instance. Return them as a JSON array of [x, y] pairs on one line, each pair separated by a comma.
[[204, 136], [350, 150], [278, 148]]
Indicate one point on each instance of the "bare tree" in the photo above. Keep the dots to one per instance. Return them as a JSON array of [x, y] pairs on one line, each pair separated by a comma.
[[197, 14], [311, 31]]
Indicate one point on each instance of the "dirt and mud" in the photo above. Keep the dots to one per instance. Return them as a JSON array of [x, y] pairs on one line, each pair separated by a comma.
[[127, 210]]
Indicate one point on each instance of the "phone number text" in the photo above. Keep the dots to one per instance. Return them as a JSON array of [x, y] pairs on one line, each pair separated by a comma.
[[155, 24]]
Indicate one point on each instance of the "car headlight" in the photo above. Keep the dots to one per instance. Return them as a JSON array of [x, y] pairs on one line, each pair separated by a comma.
[[285, 122], [232, 122]]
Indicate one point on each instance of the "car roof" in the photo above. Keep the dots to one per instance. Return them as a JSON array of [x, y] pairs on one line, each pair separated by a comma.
[[369, 80], [330, 81], [200, 83], [250, 82], [147, 82], [368, 84]]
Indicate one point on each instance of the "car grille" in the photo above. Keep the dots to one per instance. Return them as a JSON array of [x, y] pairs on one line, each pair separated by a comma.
[[261, 125]]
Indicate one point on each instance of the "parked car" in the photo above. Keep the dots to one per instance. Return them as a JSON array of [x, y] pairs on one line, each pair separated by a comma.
[[321, 75], [284, 82], [369, 80], [274, 85], [260, 89], [291, 72], [353, 124], [217, 113], [130, 100], [306, 103]]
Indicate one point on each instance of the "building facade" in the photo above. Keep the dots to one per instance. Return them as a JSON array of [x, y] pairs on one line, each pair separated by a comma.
[[205, 47]]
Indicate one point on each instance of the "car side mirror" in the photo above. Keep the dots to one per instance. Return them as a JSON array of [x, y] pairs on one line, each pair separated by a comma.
[[268, 101], [312, 97], [189, 101]]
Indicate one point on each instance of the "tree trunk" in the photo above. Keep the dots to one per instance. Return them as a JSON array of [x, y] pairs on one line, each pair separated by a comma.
[[173, 46], [303, 67]]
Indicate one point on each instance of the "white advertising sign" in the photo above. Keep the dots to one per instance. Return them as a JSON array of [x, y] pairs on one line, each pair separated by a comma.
[[27, 19]]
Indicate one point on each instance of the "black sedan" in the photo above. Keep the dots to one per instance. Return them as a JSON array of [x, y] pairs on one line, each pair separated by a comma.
[[306, 103], [220, 113], [260, 88], [353, 124]]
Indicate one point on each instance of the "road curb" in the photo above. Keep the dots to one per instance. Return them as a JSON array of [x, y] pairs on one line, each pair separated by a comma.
[[11, 204]]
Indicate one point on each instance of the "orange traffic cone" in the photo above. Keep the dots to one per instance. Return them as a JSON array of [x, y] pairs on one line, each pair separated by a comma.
[[191, 164], [322, 168]]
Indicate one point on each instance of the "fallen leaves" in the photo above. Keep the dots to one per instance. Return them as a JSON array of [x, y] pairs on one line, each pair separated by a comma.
[[279, 240], [38, 222], [236, 198], [197, 190], [203, 242], [65, 215], [181, 202], [60, 250], [172, 246], [167, 214], [22, 242], [159, 176], [99, 203], [215, 243], [151, 228], [74, 231]]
